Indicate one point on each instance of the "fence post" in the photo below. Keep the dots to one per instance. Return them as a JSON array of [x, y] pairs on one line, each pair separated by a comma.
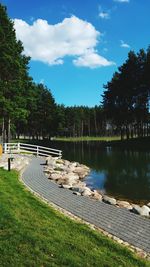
[[5, 148], [37, 151], [18, 147]]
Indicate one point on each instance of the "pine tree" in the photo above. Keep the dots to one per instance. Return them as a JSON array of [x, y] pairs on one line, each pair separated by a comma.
[[13, 73]]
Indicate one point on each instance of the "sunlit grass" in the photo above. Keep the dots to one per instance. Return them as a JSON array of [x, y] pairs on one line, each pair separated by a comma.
[[88, 138], [33, 234]]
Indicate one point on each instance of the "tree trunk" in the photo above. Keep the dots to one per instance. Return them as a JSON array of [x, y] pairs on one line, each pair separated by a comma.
[[3, 131], [127, 132], [8, 131], [82, 128], [89, 129]]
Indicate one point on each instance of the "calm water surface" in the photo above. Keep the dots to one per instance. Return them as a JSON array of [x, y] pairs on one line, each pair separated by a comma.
[[122, 173]]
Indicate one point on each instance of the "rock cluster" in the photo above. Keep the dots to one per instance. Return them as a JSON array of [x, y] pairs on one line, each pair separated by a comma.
[[18, 162], [69, 175]]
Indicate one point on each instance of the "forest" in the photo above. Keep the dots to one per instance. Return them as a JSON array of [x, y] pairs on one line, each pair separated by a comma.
[[29, 109]]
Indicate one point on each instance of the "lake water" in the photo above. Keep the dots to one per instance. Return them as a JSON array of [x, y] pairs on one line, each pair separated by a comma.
[[119, 172]]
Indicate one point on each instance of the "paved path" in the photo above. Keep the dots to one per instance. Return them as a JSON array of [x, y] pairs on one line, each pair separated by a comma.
[[129, 227]]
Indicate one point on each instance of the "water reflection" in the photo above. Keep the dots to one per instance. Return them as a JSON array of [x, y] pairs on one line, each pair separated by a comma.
[[124, 173]]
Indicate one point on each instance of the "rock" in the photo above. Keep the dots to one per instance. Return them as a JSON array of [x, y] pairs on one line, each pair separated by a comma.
[[60, 161], [55, 176], [136, 209], [74, 164], [86, 192], [71, 168], [95, 195], [85, 167], [144, 210], [77, 193], [81, 185], [71, 177], [49, 160], [124, 204], [66, 186], [109, 200], [148, 204], [66, 162], [81, 171], [77, 189], [61, 181]]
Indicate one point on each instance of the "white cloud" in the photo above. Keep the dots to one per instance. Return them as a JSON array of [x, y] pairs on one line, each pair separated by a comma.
[[104, 15], [124, 45], [122, 1], [93, 60], [51, 43]]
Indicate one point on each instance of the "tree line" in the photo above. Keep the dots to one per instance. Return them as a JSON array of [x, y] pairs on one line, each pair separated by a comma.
[[29, 109], [126, 97]]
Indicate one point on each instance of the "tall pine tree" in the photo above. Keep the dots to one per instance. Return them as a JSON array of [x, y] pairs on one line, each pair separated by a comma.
[[13, 74]]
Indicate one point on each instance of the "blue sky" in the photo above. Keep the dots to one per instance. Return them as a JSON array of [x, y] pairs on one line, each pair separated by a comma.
[[76, 45]]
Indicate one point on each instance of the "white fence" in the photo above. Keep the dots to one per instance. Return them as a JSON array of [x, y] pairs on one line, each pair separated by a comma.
[[13, 148]]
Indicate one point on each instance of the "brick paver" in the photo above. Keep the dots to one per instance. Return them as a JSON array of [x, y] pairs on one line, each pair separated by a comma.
[[128, 226]]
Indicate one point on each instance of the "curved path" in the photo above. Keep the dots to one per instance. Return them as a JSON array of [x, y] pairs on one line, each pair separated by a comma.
[[121, 223]]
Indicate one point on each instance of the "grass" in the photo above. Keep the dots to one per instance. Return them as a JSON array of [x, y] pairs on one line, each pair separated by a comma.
[[33, 234], [88, 138]]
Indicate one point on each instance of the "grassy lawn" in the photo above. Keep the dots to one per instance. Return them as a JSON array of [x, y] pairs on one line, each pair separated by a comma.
[[88, 138], [33, 234]]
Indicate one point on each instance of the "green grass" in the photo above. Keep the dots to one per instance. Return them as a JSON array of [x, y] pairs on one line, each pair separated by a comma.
[[88, 138], [33, 234]]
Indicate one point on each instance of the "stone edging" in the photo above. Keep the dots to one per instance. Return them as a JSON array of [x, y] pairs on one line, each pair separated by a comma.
[[69, 175]]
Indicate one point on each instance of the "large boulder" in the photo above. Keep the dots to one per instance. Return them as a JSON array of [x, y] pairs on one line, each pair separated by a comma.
[[71, 177], [109, 200], [87, 192], [144, 210], [124, 204], [66, 186], [66, 162], [82, 172], [148, 204], [55, 176], [95, 195], [50, 160]]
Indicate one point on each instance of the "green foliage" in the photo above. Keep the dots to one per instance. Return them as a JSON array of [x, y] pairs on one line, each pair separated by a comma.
[[126, 96], [81, 121], [33, 234]]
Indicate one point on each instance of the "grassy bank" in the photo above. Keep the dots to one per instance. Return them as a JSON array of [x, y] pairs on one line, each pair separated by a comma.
[[32, 234], [88, 138]]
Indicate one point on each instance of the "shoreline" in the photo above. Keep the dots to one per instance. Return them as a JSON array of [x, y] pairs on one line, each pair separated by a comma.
[[70, 175]]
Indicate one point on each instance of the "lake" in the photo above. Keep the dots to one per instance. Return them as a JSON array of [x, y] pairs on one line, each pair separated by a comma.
[[119, 172]]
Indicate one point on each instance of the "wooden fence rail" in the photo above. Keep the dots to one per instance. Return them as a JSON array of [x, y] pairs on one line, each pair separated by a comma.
[[13, 148]]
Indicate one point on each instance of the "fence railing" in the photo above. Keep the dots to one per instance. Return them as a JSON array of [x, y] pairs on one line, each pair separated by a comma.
[[13, 148]]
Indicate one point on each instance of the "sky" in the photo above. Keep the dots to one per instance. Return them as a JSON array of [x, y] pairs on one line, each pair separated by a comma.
[[76, 45]]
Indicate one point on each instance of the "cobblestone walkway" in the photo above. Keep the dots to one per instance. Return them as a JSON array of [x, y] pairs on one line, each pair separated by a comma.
[[129, 227]]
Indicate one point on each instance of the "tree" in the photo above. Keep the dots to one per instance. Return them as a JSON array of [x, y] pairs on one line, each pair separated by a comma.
[[126, 96], [13, 72]]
